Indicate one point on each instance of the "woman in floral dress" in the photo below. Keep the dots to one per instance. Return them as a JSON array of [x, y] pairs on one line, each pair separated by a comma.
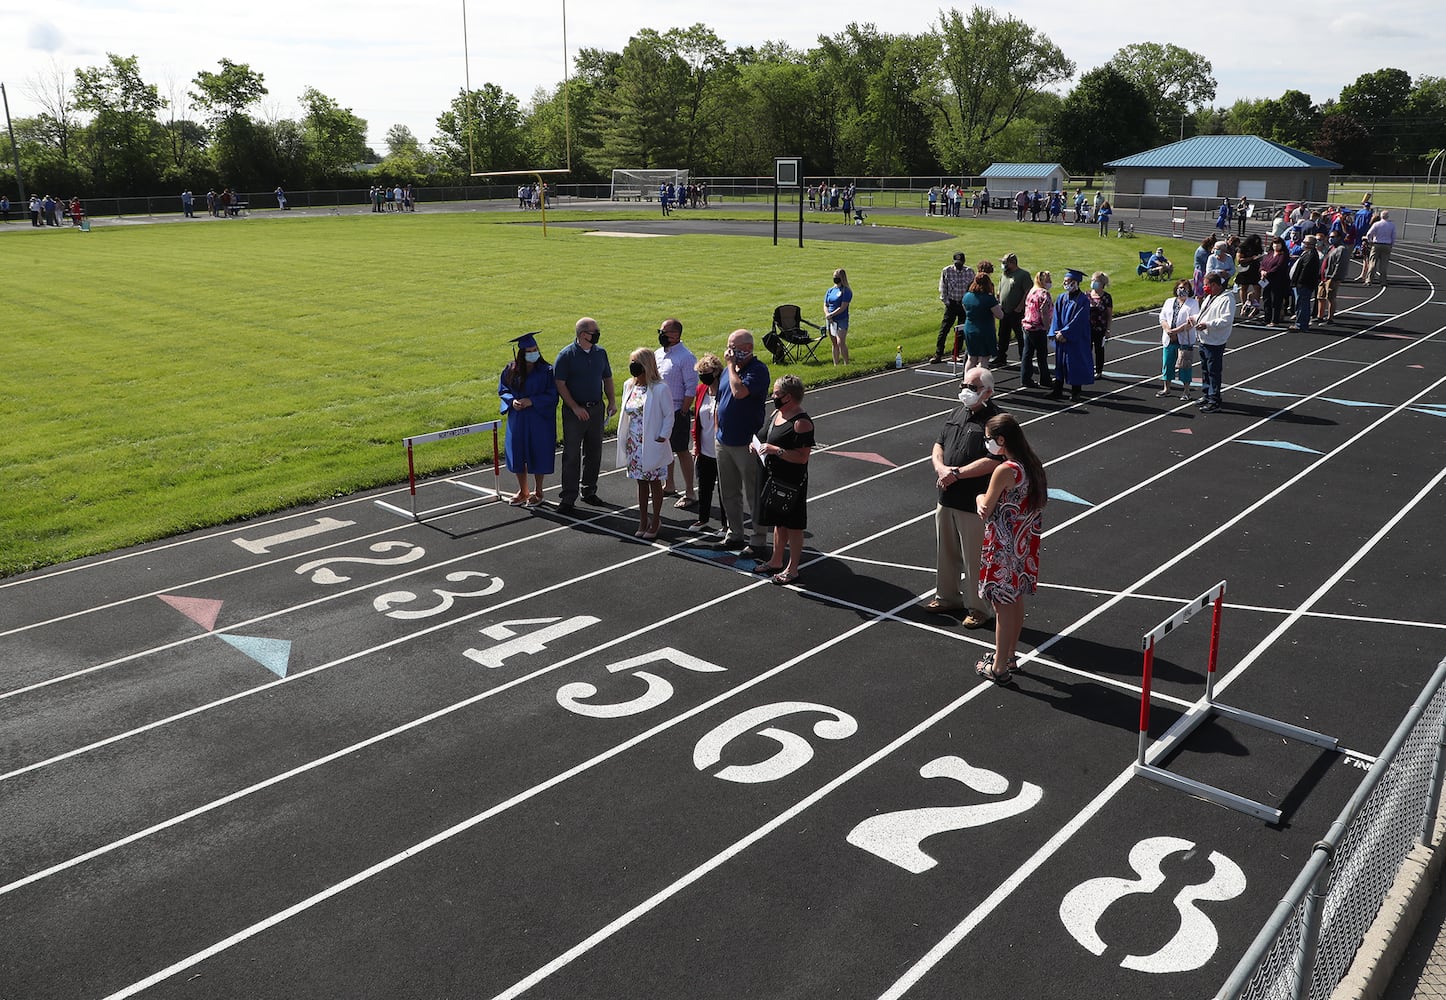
[[1013, 511], [645, 425]]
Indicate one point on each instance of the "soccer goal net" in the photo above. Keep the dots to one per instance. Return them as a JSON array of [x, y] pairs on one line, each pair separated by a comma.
[[639, 184]]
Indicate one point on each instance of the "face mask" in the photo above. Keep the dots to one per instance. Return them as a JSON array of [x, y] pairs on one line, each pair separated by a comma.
[[1095, 285], [1181, 293], [532, 356], [596, 336], [741, 357], [969, 397], [636, 368], [992, 446], [706, 378], [779, 402], [663, 340]]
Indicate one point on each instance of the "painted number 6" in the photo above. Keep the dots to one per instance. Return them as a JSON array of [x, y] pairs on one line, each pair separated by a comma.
[[794, 751]]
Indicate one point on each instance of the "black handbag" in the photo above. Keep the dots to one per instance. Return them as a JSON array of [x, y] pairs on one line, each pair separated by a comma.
[[777, 500]]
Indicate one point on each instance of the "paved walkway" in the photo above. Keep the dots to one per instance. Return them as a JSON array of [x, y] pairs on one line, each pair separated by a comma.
[[1422, 972]]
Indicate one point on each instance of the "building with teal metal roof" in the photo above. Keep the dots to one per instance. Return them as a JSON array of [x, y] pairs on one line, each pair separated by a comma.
[[1201, 171]]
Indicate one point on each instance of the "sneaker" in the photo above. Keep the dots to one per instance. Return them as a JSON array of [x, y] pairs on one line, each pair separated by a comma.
[[1209, 407]]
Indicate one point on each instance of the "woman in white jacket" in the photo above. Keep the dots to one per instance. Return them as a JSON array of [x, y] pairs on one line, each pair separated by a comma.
[[644, 429], [1177, 337]]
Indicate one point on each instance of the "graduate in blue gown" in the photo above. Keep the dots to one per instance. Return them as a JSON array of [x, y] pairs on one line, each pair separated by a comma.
[[529, 401], [1074, 362]]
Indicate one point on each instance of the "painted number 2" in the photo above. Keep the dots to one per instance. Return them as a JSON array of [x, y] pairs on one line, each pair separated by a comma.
[[896, 836]]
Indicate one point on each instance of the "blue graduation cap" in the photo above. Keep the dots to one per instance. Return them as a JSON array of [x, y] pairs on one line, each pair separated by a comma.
[[526, 341], [1073, 274]]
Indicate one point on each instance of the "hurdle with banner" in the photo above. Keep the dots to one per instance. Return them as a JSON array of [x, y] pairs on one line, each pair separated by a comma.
[[487, 496], [1147, 757]]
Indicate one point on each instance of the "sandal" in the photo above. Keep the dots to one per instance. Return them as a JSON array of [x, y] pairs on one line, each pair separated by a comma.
[[534, 501], [990, 675], [763, 567], [517, 500], [938, 607], [1013, 667], [784, 579]]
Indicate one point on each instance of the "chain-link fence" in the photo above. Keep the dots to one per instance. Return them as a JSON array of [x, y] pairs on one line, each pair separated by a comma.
[[1306, 947]]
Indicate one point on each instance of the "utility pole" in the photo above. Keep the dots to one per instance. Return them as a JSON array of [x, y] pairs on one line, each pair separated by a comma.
[[14, 149]]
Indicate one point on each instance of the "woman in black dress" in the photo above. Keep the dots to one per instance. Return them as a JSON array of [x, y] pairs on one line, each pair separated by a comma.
[[786, 446]]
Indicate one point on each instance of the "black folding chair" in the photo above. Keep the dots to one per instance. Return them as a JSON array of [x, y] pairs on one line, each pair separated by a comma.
[[788, 341]]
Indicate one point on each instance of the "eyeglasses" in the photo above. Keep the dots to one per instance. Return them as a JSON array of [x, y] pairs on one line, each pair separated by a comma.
[[974, 385]]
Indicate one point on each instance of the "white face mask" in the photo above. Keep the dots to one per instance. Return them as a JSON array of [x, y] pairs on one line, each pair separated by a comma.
[[992, 446], [969, 398]]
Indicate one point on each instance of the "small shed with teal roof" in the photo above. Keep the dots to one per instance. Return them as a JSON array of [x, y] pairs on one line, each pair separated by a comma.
[[1004, 179], [1202, 170]]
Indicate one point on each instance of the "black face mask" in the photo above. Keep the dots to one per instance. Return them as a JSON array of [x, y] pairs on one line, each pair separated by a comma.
[[663, 341], [706, 378], [595, 336], [780, 401], [636, 367]]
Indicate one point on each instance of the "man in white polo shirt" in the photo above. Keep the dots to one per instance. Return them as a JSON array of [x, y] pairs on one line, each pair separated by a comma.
[[1381, 237], [675, 365]]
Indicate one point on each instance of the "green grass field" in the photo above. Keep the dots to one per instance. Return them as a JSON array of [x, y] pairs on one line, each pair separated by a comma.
[[168, 377]]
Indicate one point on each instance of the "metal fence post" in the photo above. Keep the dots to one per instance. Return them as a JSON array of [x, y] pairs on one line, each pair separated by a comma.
[[1311, 917], [1433, 797]]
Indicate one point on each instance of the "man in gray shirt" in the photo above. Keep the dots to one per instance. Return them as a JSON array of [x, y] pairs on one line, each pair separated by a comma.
[[584, 379], [1014, 285]]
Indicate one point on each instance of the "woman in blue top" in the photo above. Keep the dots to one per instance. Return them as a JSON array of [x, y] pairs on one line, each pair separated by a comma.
[[836, 315], [981, 311], [529, 400]]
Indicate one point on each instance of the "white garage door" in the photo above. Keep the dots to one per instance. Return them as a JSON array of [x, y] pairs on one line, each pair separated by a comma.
[[1204, 188], [1252, 190]]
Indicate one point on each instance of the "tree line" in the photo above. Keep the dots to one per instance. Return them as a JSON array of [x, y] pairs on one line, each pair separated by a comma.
[[974, 88]]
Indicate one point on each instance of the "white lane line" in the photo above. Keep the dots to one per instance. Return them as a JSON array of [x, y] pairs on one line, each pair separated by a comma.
[[1164, 744], [487, 814]]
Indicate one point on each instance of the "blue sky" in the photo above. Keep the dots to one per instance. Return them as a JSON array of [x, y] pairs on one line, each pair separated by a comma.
[[396, 62]]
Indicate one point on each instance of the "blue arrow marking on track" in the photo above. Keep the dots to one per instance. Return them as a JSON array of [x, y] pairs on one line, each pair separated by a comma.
[[1283, 446], [1067, 497], [1266, 392], [723, 556], [1433, 409], [1132, 376], [273, 654], [1349, 402], [1129, 340]]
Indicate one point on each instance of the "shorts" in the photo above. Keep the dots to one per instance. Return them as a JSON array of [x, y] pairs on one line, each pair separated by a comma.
[[681, 439], [1327, 290]]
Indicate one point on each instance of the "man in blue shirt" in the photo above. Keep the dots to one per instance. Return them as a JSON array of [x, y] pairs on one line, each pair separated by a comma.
[[742, 391], [584, 379]]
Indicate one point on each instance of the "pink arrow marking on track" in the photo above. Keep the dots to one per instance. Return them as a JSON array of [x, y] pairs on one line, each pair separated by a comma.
[[200, 610], [864, 456], [1183, 430]]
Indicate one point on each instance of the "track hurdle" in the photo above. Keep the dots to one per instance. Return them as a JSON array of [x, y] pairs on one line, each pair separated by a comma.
[[1146, 757], [488, 496]]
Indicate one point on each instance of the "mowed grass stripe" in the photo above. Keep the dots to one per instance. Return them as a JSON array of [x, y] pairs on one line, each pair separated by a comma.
[[164, 378]]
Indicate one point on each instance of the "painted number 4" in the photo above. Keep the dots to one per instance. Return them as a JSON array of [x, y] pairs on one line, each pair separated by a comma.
[[896, 836]]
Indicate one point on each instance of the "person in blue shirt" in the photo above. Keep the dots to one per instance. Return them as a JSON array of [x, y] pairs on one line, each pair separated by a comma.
[[836, 315], [529, 402], [742, 391], [584, 379], [1158, 265], [1074, 362]]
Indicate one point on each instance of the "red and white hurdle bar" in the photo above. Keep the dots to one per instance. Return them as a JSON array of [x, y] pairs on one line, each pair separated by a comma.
[[1147, 756], [452, 432]]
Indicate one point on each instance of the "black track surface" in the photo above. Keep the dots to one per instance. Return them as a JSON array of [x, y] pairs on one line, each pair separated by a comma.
[[397, 818]]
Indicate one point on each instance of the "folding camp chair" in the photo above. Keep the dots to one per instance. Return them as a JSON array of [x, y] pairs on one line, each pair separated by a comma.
[[788, 341]]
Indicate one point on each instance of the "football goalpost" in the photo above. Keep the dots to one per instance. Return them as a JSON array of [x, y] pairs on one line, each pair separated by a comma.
[[537, 173]]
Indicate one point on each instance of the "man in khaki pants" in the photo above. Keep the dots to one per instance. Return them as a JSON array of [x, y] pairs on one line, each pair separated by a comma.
[[962, 467]]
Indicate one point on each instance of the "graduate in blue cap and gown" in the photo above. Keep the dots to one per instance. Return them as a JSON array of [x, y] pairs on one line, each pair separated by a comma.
[[529, 400], [1074, 361]]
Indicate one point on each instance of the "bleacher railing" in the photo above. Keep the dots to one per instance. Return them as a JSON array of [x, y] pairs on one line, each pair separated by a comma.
[[1306, 947]]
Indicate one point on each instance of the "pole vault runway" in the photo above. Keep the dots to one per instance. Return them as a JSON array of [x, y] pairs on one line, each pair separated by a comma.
[[512, 754]]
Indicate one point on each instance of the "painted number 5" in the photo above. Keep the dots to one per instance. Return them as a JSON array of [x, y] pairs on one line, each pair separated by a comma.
[[794, 751], [570, 696]]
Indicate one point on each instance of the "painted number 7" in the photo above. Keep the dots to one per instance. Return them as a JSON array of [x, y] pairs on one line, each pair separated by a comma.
[[896, 836], [570, 696]]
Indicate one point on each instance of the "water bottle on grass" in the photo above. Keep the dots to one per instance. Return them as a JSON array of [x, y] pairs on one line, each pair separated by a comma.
[[899, 357]]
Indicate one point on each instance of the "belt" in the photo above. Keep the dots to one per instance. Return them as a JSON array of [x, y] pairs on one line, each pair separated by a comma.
[[595, 402]]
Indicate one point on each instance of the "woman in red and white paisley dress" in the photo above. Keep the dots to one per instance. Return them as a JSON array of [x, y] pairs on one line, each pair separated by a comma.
[[1013, 511]]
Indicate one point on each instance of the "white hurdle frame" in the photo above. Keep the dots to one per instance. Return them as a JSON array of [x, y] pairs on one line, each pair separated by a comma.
[[1215, 597], [488, 495]]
